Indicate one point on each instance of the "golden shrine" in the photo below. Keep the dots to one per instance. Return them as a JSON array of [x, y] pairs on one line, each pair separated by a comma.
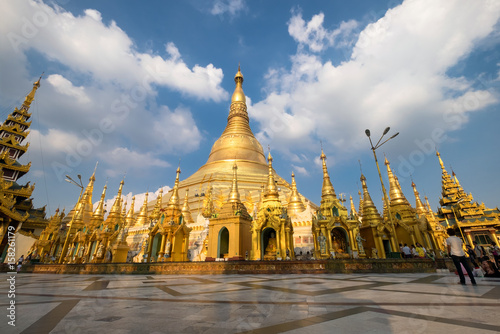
[[236, 207], [457, 209], [16, 207]]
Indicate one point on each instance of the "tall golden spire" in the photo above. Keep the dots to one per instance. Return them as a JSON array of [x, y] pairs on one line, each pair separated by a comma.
[[238, 95], [360, 210], [271, 193], [85, 205], [129, 218], [77, 219], [451, 191], [116, 209], [237, 142], [174, 199], [31, 96], [186, 211], [395, 192], [327, 189], [295, 204], [142, 217], [234, 195], [99, 211], [353, 208], [124, 210], [421, 210], [156, 214], [440, 161], [371, 216], [428, 206]]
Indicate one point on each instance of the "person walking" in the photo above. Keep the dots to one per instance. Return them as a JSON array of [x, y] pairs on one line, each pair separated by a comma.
[[457, 254]]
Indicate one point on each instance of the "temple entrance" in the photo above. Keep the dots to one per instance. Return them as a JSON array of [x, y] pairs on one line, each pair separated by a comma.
[[387, 247], [340, 243], [156, 247], [269, 244], [223, 243]]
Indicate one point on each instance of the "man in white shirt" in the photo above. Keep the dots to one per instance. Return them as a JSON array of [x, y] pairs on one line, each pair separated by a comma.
[[457, 254], [407, 251]]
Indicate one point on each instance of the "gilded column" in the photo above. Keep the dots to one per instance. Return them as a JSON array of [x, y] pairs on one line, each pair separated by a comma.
[[493, 237], [469, 238], [379, 244], [162, 247], [279, 242], [412, 235], [394, 246], [150, 247]]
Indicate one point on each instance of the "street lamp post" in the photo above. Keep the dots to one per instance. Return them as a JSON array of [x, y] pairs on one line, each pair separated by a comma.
[[80, 185], [386, 199]]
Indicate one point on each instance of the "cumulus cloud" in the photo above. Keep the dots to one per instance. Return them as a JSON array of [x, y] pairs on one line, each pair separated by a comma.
[[122, 160], [396, 76], [100, 96], [300, 170], [176, 130], [231, 7], [88, 45], [53, 142], [314, 35], [65, 87]]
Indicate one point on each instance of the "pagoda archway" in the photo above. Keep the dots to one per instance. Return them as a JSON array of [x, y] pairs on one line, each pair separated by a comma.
[[155, 250], [269, 245], [223, 248], [340, 242]]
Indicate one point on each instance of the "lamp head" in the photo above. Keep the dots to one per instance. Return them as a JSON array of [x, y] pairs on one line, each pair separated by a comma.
[[397, 133], [386, 130], [367, 132]]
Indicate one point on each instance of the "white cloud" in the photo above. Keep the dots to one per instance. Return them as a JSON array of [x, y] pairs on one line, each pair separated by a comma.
[[300, 170], [88, 45], [55, 141], [93, 14], [314, 35], [202, 82], [105, 91], [232, 7], [122, 160], [65, 87], [176, 131], [396, 76]]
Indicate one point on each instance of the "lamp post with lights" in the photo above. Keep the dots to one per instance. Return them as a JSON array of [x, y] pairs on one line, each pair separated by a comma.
[[386, 199]]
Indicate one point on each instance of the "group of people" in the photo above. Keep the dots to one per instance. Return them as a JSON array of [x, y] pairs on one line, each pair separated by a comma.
[[489, 262], [413, 251], [477, 254]]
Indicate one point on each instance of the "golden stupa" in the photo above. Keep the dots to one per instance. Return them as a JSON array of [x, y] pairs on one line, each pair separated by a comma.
[[237, 144]]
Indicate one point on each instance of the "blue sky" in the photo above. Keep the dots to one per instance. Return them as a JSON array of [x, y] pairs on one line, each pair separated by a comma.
[[138, 85]]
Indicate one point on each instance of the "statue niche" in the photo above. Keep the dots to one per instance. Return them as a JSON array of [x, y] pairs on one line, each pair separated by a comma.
[[339, 243], [270, 244]]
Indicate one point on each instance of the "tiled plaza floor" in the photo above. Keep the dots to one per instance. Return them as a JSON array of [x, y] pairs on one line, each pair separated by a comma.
[[357, 303]]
